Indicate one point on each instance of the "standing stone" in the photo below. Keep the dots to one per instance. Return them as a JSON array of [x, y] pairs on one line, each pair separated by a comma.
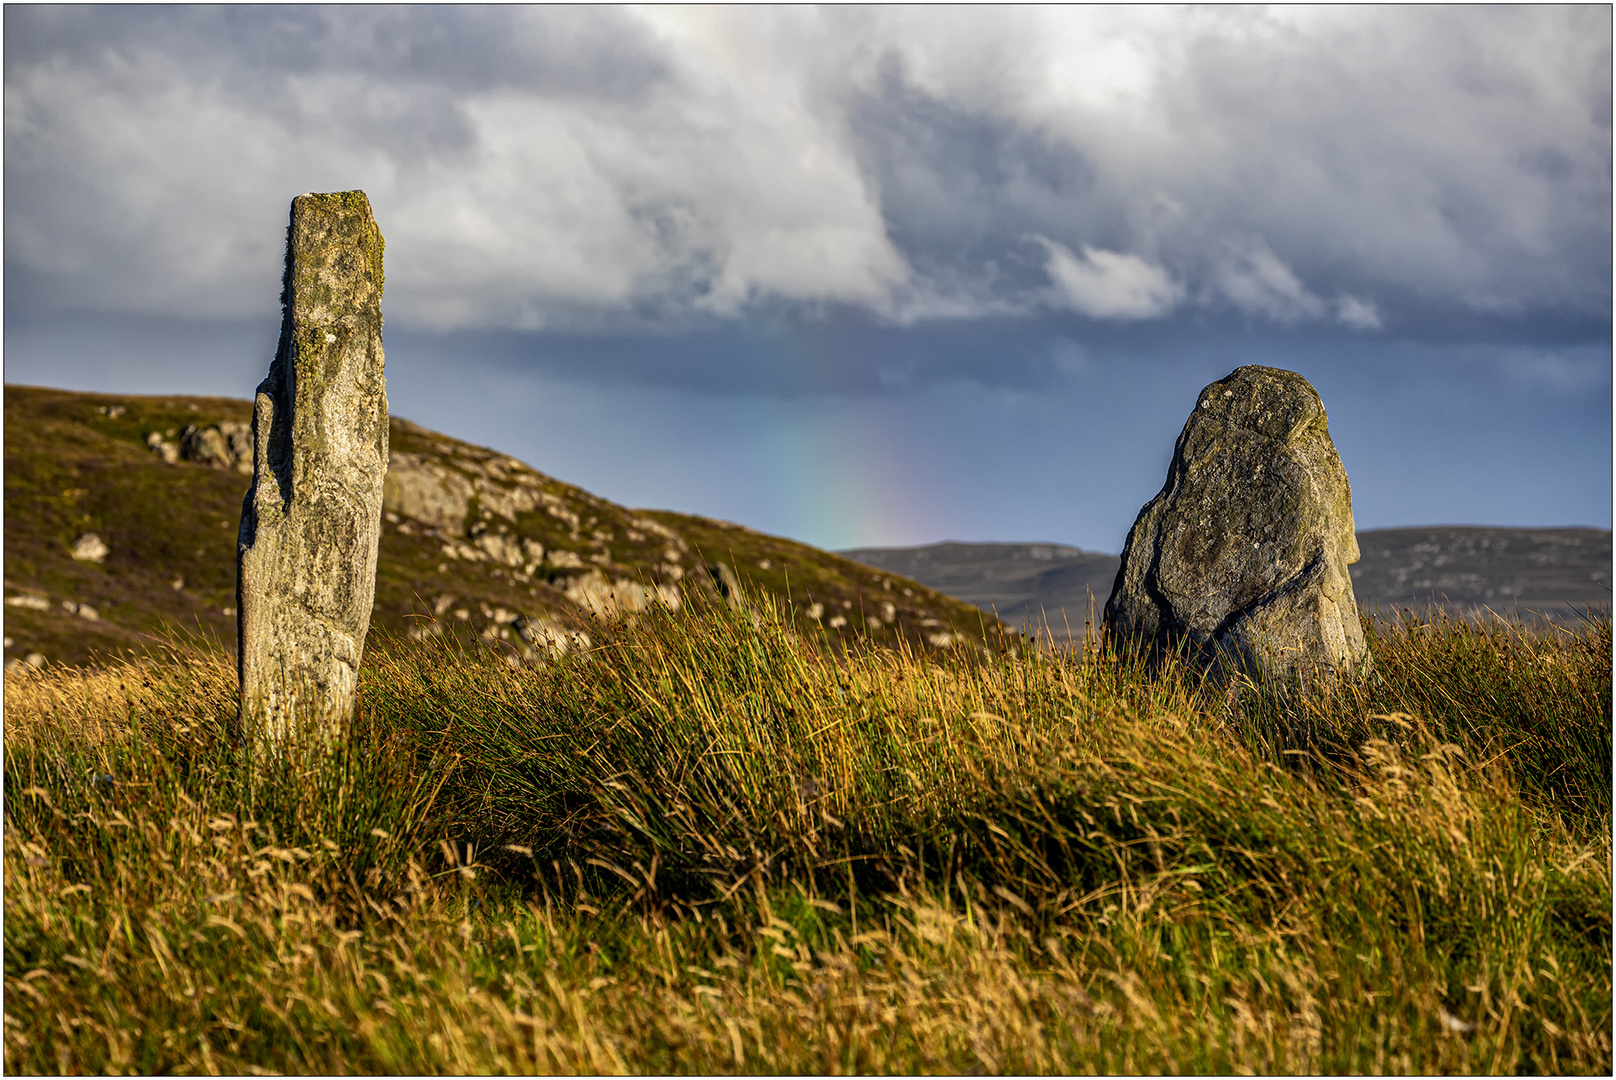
[[1244, 553], [306, 561]]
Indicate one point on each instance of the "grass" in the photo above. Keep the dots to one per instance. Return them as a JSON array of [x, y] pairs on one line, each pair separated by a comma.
[[714, 844]]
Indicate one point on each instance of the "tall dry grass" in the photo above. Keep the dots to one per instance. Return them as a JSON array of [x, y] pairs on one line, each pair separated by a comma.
[[712, 846]]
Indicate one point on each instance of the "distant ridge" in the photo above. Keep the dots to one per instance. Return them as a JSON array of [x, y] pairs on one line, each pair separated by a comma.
[[1539, 574], [1021, 582]]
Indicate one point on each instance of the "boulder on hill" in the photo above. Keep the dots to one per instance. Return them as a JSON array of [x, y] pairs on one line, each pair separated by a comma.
[[1243, 554], [89, 547]]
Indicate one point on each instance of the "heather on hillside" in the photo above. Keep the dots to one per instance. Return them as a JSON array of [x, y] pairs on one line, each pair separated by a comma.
[[714, 843]]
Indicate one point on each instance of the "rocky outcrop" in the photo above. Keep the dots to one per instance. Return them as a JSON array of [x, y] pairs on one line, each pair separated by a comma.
[[608, 599], [1244, 553], [310, 524], [419, 488], [540, 633], [225, 445]]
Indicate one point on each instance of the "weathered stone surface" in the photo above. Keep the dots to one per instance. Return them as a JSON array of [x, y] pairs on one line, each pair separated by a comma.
[[427, 492], [306, 565], [1244, 553]]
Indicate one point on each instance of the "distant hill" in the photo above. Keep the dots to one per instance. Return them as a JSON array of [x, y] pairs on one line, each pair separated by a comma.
[[474, 543], [1550, 574], [1022, 582], [1540, 574]]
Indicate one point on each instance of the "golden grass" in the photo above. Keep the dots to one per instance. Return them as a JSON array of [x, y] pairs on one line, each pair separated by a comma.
[[709, 846]]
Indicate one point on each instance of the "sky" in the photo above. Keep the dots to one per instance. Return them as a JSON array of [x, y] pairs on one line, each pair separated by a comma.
[[858, 275]]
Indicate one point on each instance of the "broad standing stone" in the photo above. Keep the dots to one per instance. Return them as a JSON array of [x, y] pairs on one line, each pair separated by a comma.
[[1244, 553], [306, 563]]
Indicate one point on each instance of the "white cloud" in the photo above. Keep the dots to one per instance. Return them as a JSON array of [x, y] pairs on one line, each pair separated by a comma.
[[536, 166], [1357, 313], [1259, 283], [1108, 284]]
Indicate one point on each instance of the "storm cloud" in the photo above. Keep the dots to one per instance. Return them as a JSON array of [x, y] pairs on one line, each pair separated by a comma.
[[579, 170]]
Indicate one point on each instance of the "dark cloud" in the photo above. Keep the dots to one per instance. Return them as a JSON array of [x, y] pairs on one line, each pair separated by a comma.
[[600, 52], [961, 190], [1419, 172]]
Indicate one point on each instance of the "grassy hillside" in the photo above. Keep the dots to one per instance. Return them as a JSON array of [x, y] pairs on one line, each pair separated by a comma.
[[713, 844], [521, 569]]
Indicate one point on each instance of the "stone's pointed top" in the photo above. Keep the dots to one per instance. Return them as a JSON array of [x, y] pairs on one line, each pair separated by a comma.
[[1267, 401]]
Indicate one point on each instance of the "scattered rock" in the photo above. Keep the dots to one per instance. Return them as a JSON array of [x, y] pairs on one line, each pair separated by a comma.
[[225, 445], [83, 611], [592, 593], [1244, 552], [457, 550], [507, 502], [542, 633], [501, 548], [168, 451], [306, 568], [729, 587], [90, 548]]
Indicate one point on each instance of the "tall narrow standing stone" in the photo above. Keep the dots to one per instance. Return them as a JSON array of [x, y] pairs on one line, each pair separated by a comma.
[[1244, 553], [306, 558]]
